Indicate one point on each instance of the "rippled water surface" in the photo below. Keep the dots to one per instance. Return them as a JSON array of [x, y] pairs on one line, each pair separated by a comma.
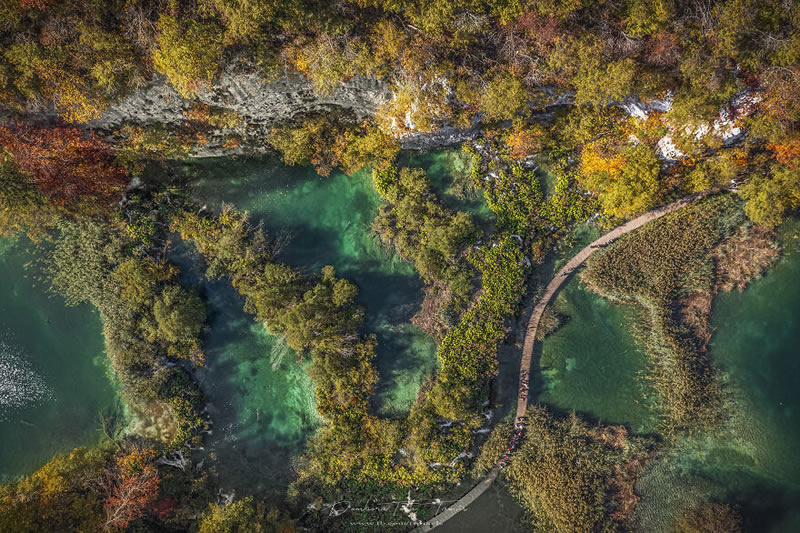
[[54, 383], [755, 461]]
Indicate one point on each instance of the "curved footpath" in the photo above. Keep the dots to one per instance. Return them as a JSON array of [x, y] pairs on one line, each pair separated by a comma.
[[530, 337]]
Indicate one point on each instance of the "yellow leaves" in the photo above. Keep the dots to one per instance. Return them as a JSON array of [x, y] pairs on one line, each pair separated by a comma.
[[301, 63], [188, 53], [135, 460], [388, 41], [627, 182], [593, 161]]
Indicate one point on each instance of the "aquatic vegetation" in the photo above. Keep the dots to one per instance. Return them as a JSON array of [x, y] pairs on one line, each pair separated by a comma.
[[600, 93], [710, 518], [428, 235], [91, 264], [573, 476], [315, 314], [318, 313], [468, 353], [656, 267]]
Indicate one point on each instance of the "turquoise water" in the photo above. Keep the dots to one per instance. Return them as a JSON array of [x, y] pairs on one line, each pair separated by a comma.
[[448, 171], [754, 462], [327, 221], [592, 364], [260, 399], [54, 381]]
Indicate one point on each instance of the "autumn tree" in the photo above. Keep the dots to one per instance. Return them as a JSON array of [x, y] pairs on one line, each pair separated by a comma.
[[66, 165], [45, 71], [243, 515], [79, 68], [325, 311], [177, 321], [414, 107], [627, 183], [711, 172], [130, 485], [787, 152], [244, 18], [599, 80], [61, 496], [646, 17], [364, 145], [22, 206], [524, 140], [328, 143], [327, 60], [189, 53], [504, 97], [308, 142], [770, 197]]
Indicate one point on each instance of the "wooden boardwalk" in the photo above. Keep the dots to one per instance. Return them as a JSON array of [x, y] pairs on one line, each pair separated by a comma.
[[564, 274], [461, 504], [530, 337]]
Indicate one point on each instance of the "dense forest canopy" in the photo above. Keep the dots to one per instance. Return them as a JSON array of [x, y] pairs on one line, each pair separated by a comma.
[[446, 62], [626, 104]]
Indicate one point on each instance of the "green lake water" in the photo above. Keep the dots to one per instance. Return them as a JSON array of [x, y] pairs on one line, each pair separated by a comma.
[[327, 221], [260, 399], [591, 364], [755, 460], [448, 171], [54, 380]]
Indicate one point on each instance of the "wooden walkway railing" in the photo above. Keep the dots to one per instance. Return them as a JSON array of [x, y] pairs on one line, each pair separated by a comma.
[[530, 337]]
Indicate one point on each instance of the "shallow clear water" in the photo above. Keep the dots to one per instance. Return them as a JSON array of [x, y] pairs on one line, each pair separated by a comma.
[[755, 461], [54, 383], [448, 171], [327, 221], [260, 399], [592, 364]]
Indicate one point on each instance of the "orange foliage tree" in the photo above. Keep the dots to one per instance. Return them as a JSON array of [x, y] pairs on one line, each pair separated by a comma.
[[66, 164], [25, 5], [130, 486], [524, 141], [787, 152]]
